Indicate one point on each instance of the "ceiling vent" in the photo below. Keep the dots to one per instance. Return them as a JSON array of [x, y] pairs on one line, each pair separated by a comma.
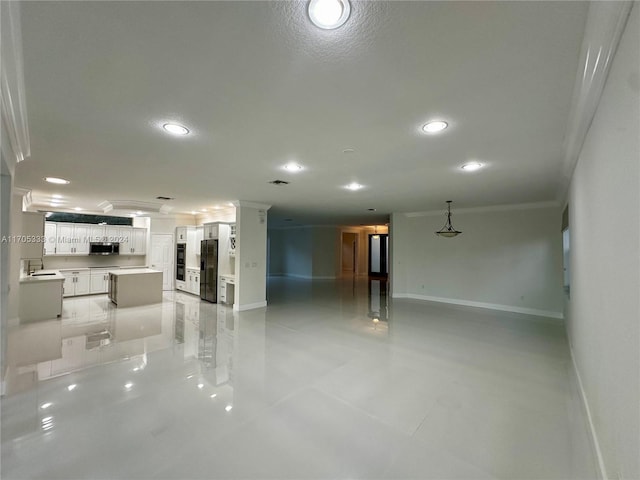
[[164, 198], [279, 182], [133, 205]]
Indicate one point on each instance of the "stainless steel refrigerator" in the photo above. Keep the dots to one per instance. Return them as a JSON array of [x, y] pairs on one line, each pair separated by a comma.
[[209, 270]]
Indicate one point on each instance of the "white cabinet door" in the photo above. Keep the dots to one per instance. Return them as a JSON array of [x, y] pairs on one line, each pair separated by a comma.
[[126, 242], [181, 234], [50, 229], [82, 235], [99, 282], [111, 234], [83, 280], [65, 235], [97, 233], [196, 284], [139, 236], [68, 285], [210, 231]]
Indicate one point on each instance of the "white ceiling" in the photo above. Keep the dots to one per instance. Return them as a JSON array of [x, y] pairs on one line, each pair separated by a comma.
[[259, 85]]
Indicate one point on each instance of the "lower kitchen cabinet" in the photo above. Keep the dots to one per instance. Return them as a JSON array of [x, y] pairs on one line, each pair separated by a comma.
[[100, 280], [191, 283], [76, 282]]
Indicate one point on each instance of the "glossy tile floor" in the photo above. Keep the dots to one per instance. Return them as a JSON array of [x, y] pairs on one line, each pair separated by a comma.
[[333, 380]]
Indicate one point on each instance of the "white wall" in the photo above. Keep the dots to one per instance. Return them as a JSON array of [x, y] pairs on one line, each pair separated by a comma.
[[297, 256], [510, 260], [169, 224], [304, 252], [251, 257], [603, 311]]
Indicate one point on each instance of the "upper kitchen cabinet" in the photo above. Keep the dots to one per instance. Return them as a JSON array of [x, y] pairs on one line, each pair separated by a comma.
[[139, 236], [210, 231], [97, 233], [181, 234], [72, 239], [50, 233], [133, 241]]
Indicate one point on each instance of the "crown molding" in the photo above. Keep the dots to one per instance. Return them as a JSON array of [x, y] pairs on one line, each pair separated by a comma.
[[147, 207], [605, 24], [243, 203], [494, 208], [12, 89]]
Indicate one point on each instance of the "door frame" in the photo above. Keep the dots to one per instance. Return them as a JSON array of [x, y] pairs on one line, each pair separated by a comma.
[[384, 255], [173, 251]]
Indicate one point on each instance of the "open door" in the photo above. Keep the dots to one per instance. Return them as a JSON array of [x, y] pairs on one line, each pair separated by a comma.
[[379, 254]]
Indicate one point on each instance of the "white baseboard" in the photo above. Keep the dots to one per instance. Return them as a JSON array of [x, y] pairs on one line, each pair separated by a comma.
[[306, 277], [249, 306], [295, 275], [491, 306], [595, 443]]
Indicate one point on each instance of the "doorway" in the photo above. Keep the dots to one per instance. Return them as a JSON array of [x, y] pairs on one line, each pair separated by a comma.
[[379, 254], [162, 257], [349, 253]]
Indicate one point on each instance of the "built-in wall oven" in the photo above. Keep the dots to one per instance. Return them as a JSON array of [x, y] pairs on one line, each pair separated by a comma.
[[180, 261]]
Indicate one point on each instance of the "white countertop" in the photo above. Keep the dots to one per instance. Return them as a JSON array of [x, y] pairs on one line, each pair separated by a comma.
[[134, 271], [79, 269], [52, 276]]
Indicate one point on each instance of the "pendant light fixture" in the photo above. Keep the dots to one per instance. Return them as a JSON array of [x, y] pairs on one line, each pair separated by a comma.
[[448, 231]]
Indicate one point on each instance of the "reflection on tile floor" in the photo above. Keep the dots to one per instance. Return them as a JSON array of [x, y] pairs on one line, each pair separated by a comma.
[[332, 380]]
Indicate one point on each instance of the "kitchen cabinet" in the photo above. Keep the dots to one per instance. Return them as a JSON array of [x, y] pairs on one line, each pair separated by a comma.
[[99, 280], [76, 282], [72, 239], [232, 239], [97, 233], [139, 236], [133, 241], [192, 282], [50, 232], [210, 231], [124, 234], [135, 286], [181, 234]]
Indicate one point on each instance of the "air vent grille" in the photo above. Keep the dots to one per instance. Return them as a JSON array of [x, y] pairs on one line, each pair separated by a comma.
[[165, 198], [279, 182]]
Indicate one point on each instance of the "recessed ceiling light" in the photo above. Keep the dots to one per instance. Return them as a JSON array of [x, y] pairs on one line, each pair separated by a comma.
[[471, 166], [435, 126], [55, 204], [56, 195], [72, 387], [77, 209], [203, 210], [329, 14], [371, 209], [128, 385], [293, 167], [175, 129], [228, 408], [44, 406], [353, 186], [139, 212], [348, 150], [58, 181], [193, 212]]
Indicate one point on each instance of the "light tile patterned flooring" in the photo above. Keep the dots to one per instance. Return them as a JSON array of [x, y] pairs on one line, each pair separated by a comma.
[[333, 380]]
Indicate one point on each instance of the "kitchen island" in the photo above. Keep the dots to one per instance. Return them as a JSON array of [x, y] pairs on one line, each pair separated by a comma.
[[135, 286], [41, 296]]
